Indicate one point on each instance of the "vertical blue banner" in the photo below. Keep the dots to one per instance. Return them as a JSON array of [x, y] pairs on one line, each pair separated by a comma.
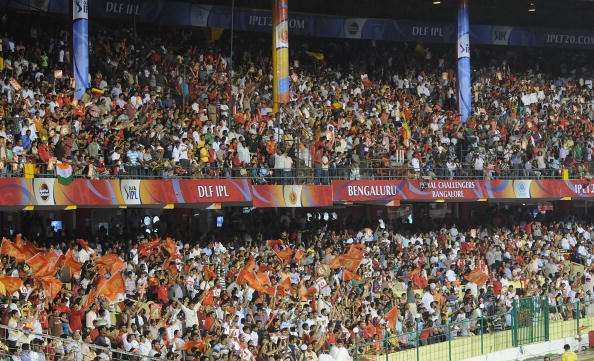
[[80, 39], [464, 81]]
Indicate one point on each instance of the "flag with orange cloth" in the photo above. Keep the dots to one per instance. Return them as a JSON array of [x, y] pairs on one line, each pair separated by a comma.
[[246, 272], [208, 299], [306, 293], [284, 286], [9, 285], [45, 264], [27, 248], [198, 344], [348, 275], [477, 276], [111, 263], [285, 255], [419, 281], [350, 260], [52, 286], [110, 288], [391, 317], [147, 248], [73, 266], [8, 248], [261, 283], [170, 247], [274, 244], [209, 273]]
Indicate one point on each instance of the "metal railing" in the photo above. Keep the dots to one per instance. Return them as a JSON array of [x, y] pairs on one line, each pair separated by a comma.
[[58, 348], [304, 175], [459, 340]]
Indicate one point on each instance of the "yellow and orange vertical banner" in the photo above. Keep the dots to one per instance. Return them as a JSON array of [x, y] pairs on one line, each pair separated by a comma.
[[280, 52]]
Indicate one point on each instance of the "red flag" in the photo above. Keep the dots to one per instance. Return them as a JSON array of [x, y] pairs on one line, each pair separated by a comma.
[[208, 299], [10, 249], [391, 317], [285, 255], [348, 275], [111, 263], [51, 286], [72, 264], [9, 285]]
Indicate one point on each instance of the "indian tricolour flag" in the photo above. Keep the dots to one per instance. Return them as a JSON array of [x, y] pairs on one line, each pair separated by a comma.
[[64, 172]]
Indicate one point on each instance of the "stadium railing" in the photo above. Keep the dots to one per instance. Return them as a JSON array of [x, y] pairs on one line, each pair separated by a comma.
[[371, 169], [65, 349], [469, 338]]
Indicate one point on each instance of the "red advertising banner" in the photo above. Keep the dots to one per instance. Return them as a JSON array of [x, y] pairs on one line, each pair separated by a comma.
[[267, 196], [49, 192]]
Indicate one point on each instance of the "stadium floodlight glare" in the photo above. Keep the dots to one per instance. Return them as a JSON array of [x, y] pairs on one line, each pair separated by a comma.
[[532, 7], [436, 2]]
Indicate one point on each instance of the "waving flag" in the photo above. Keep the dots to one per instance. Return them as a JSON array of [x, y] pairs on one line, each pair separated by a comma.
[[348, 275], [146, 249], [9, 285], [111, 263], [10, 249], [52, 286], [73, 266], [170, 247], [246, 272], [199, 344], [285, 255], [64, 172], [478, 277], [45, 264], [391, 317], [109, 288]]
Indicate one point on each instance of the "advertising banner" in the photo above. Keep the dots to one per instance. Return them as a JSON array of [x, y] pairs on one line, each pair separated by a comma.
[[270, 196]]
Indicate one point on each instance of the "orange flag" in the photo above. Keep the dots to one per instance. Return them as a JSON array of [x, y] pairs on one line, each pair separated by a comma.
[[146, 249], [285, 255], [111, 263], [418, 280], [51, 286], [199, 344], [45, 265], [261, 283], [351, 263], [9, 285], [72, 264], [170, 247], [246, 272], [27, 248], [91, 297], [274, 244], [110, 288], [350, 260], [348, 275], [306, 293], [478, 277], [209, 273], [285, 286], [208, 299], [10, 249], [391, 317]]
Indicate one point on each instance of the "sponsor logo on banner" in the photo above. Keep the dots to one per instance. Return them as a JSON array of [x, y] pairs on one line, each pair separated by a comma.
[[292, 195], [212, 191], [353, 27], [446, 189], [130, 189], [522, 188], [44, 191], [122, 8], [80, 9], [500, 35], [464, 46]]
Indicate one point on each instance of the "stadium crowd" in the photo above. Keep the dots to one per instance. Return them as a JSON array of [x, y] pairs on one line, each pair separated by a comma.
[[314, 293], [171, 103]]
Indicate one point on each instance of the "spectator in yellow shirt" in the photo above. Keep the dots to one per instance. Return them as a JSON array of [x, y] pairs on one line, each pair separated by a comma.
[[568, 355]]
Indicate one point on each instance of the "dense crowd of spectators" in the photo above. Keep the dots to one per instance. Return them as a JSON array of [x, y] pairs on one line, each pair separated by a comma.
[[314, 292], [169, 103]]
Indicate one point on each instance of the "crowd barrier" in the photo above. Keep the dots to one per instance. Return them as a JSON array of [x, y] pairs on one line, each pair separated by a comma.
[[473, 337]]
